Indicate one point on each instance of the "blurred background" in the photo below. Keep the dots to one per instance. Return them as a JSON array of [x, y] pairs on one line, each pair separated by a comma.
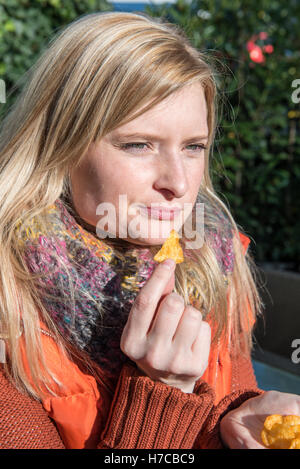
[[255, 50]]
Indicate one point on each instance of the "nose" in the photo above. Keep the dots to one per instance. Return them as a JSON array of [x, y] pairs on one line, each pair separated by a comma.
[[171, 176]]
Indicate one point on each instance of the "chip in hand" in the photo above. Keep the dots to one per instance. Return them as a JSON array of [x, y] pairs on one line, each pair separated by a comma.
[[171, 249], [281, 432]]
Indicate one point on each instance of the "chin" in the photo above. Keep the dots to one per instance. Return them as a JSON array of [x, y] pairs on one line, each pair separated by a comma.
[[147, 242], [153, 233]]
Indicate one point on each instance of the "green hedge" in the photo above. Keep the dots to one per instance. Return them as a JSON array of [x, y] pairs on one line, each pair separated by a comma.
[[257, 153], [26, 26]]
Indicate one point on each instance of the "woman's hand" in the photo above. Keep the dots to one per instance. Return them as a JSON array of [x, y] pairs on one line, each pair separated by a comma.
[[167, 340], [241, 428]]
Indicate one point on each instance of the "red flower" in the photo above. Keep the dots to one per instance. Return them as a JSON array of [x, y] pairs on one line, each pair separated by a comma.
[[268, 48], [256, 55], [250, 46], [263, 36], [256, 51]]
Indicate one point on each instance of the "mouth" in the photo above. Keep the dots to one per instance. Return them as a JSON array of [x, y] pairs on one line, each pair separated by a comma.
[[160, 213]]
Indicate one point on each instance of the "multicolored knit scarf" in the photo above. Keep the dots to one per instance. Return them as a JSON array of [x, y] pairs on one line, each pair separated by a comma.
[[105, 286]]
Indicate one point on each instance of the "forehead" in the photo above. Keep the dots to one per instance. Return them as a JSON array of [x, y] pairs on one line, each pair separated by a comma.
[[184, 110]]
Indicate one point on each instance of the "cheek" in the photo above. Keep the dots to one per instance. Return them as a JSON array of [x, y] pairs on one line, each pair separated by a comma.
[[127, 178], [196, 176], [107, 179]]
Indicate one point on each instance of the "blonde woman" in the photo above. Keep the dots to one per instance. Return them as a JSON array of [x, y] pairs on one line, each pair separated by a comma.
[[101, 346]]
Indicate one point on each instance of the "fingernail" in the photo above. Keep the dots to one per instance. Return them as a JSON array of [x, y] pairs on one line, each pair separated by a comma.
[[169, 264]]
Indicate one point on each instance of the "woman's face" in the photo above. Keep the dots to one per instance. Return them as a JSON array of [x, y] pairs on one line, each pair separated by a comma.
[[154, 162]]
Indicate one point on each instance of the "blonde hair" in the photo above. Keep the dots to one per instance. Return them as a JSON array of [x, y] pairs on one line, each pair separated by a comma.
[[95, 76]]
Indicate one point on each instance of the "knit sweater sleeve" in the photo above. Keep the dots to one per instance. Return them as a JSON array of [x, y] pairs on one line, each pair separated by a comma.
[[148, 414], [145, 414], [244, 387]]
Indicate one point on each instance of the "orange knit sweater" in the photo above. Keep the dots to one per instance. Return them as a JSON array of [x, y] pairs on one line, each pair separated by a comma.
[[138, 413]]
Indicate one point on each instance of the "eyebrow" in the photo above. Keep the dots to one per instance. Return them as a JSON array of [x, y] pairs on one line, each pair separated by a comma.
[[156, 137]]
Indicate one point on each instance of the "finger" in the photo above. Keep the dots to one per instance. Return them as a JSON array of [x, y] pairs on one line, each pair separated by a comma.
[[203, 339], [170, 285], [167, 318], [168, 289], [188, 327], [201, 348], [145, 304]]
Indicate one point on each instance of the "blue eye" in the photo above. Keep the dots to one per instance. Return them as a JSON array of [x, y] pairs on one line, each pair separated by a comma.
[[132, 145], [141, 146], [200, 146]]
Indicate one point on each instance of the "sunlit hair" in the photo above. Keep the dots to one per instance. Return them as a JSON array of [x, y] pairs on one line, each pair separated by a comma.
[[95, 75]]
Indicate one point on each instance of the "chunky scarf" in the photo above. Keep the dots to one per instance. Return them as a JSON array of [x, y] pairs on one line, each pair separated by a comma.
[[104, 285]]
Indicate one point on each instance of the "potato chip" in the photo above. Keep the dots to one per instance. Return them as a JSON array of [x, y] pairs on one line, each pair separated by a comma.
[[171, 249], [281, 432], [295, 444]]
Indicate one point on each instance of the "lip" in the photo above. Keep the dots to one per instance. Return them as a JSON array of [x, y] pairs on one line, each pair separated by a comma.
[[161, 213]]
